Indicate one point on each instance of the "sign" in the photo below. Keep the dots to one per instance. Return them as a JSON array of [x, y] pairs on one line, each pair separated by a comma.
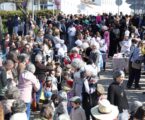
[[119, 2]]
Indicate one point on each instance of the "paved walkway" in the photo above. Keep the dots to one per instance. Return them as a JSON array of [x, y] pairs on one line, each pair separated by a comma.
[[132, 95]]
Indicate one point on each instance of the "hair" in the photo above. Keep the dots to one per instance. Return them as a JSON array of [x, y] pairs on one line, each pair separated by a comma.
[[12, 93], [47, 112], [38, 58], [18, 106], [140, 113], [23, 57], [30, 67]]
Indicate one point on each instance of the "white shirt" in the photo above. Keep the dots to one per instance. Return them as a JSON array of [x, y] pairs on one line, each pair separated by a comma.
[[71, 31], [125, 45], [19, 116]]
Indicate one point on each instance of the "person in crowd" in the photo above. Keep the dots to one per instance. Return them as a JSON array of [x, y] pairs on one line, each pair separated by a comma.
[[105, 111], [28, 82], [40, 72], [62, 106], [136, 59], [9, 65], [133, 108], [46, 113], [23, 60], [18, 110], [77, 112], [77, 64], [126, 43], [71, 35], [96, 56], [11, 95], [3, 81], [140, 113], [117, 95], [74, 54]]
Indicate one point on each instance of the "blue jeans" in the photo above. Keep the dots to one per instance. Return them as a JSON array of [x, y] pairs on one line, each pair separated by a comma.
[[124, 115], [28, 110], [38, 93]]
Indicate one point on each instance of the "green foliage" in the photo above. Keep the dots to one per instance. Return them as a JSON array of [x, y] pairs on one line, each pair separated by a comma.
[[7, 14]]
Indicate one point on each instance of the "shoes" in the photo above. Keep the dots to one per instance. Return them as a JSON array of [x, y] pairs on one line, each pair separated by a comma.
[[128, 88], [138, 88]]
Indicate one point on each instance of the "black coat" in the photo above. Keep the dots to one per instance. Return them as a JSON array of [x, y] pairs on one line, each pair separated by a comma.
[[117, 96]]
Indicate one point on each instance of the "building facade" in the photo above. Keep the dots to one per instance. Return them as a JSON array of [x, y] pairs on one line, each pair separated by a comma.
[[83, 6]]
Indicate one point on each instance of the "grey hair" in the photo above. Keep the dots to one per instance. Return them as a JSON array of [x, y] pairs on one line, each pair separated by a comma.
[[38, 58], [30, 67], [23, 57], [18, 106], [77, 63], [12, 93]]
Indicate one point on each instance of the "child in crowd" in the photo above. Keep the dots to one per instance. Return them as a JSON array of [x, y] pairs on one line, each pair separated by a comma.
[[77, 112]]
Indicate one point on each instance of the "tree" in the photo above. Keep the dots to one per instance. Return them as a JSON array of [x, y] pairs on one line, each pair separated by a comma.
[[137, 5]]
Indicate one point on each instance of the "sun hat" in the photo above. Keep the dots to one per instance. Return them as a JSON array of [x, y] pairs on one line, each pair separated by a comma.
[[64, 117], [135, 105], [105, 110], [100, 89], [75, 99], [117, 73]]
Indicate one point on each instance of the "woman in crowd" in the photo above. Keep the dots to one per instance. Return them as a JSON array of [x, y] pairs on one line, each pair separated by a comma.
[[18, 110], [28, 82], [117, 95]]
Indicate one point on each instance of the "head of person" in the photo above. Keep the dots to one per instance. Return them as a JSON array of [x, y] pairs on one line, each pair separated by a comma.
[[8, 64], [30, 67], [75, 50], [105, 111], [47, 112], [23, 58], [100, 89], [126, 35], [62, 95], [118, 76], [94, 45], [134, 106], [38, 58], [75, 101], [140, 113], [77, 64], [18, 106], [12, 93]]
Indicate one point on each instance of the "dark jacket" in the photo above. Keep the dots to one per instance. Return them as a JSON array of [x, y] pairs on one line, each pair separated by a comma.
[[3, 81], [41, 70], [117, 96]]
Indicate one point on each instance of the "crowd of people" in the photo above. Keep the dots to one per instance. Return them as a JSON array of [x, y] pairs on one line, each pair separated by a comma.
[[52, 64]]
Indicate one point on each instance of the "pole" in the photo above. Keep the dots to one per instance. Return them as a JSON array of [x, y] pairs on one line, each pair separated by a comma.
[[33, 9], [134, 7], [118, 7], [53, 7]]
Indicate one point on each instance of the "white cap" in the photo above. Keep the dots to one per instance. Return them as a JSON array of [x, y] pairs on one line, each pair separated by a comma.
[[78, 43], [127, 33]]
